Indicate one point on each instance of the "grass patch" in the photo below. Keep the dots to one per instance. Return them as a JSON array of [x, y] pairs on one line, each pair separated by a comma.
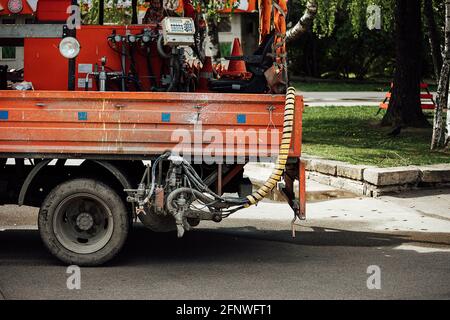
[[344, 86], [353, 134], [340, 86]]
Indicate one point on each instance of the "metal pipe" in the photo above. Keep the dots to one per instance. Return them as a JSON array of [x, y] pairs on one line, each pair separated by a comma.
[[169, 201], [3, 77], [102, 80], [123, 61], [219, 179], [134, 16], [67, 32], [159, 46], [101, 12], [86, 81]]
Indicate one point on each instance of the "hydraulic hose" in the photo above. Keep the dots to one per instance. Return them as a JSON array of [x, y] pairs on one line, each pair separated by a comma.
[[160, 48], [280, 165]]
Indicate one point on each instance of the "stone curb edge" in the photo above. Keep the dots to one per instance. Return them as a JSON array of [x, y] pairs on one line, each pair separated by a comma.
[[374, 181]]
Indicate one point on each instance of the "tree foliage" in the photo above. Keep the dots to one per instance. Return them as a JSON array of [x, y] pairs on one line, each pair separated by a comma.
[[119, 11], [325, 22], [341, 46], [211, 8], [115, 12]]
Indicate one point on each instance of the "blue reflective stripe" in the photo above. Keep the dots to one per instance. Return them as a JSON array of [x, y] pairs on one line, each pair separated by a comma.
[[165, 117], [241, 118], [4, 115], [82, 116]]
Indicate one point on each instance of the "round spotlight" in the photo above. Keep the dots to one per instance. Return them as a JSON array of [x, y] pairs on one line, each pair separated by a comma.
[[69, 47], [117, 38], [131, 38]]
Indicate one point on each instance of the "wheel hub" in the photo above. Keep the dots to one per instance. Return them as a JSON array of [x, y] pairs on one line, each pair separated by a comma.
[[85, 221]]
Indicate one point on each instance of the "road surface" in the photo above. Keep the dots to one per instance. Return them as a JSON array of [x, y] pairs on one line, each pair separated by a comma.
[[314, 99], [253, 256]]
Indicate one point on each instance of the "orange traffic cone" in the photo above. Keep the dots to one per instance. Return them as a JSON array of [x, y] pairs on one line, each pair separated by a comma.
[[236, 66], [206, 73]]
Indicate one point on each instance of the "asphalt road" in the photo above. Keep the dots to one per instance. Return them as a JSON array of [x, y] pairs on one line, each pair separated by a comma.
[[253, 256], [238, 259], [314, 99]]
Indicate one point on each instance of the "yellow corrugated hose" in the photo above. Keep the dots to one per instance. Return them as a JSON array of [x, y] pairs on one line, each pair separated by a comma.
[[280, 166]]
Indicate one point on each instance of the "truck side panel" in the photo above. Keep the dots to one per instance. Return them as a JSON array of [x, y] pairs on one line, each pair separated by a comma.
[[140, 124]]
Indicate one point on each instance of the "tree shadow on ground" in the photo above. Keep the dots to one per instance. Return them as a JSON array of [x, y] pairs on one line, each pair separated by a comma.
[[243, 243]]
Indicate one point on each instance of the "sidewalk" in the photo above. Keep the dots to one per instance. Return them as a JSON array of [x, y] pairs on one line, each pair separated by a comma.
[[411, 211]]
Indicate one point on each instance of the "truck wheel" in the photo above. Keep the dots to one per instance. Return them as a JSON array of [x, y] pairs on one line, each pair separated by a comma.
[[83, 222]]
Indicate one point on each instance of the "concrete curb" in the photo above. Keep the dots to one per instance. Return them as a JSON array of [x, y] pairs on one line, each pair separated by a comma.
[[373, 181]]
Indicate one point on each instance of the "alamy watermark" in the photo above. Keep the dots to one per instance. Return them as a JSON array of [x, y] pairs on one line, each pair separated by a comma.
[[230, 146], [74, 19], [374, 280], [74, 280], [373, 21]]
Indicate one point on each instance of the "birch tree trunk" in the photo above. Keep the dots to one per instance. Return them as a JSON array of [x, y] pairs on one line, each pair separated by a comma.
[[304, 23], [433, 37], [439, 137], [447, 137]]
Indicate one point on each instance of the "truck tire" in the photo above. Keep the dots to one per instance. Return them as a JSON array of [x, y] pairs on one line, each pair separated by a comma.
[[83, 222]]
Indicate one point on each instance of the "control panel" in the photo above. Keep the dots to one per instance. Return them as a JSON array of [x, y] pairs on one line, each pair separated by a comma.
[[178, 31]]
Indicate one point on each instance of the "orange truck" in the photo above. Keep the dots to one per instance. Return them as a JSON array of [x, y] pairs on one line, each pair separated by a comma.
[[119, 126]]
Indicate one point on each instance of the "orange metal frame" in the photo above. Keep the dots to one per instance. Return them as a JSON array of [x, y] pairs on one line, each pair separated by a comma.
[[47, 69], [128, 125]]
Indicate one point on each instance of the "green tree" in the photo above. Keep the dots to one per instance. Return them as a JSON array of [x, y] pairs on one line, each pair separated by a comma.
[[402, 20], [114, 13], [341, 45]]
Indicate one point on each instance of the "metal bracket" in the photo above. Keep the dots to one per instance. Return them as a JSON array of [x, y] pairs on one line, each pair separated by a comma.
[[295, 172], [18, 31]]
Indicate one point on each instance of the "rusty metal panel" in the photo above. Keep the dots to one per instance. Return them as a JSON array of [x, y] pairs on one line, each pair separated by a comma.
[[138, 124]]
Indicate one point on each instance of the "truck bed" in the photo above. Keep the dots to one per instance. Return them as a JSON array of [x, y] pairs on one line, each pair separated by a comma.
[[135, 125]]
